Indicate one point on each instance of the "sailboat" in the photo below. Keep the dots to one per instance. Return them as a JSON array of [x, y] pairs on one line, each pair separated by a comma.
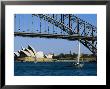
[[78, 64]]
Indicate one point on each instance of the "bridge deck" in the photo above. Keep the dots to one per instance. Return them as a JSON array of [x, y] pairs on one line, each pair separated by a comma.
[[68, 37]]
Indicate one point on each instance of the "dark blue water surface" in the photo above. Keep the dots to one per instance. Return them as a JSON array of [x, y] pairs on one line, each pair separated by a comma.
[[54, 69]]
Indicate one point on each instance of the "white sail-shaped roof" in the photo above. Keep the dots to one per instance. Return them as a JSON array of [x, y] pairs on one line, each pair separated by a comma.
[[28, 52], [24, 53], [22, 48], [32, 49], [40, 54], [16, 54], [31, 52]]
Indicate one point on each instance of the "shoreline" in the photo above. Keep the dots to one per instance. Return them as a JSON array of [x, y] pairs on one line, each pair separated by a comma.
[[55, 61], [33, 59]]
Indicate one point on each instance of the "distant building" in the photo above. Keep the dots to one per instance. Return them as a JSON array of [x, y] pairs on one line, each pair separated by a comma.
[[49, 56], [24, 53], [16, 54], [28, 52], [40, 54]]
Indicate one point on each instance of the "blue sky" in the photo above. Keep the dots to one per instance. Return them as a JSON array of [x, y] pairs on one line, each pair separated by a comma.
[[48, 45]]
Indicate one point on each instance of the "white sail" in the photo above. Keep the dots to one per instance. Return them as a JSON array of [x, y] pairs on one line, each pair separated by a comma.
[[78, 53], [77, 64]]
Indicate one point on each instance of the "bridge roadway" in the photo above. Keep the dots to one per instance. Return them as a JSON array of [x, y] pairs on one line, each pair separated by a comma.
[[46, 35]]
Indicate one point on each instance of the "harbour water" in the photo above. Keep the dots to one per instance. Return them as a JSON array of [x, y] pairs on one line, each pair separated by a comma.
[[54, 69]]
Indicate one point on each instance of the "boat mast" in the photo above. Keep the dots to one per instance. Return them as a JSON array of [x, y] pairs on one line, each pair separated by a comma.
[[78, 52]]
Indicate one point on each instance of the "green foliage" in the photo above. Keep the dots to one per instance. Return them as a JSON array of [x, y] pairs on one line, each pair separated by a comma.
[[72, 56]]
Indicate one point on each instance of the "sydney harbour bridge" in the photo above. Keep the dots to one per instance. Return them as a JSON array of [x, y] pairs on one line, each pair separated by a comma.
[[60, 26]]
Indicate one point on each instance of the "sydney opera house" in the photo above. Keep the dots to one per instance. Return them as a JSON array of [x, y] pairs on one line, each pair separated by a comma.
[[29, 53]]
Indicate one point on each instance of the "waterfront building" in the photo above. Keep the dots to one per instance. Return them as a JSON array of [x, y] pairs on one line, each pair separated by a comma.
[[29, 52], [40, 54], [16, 54], [24, 53], [49, 56]]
